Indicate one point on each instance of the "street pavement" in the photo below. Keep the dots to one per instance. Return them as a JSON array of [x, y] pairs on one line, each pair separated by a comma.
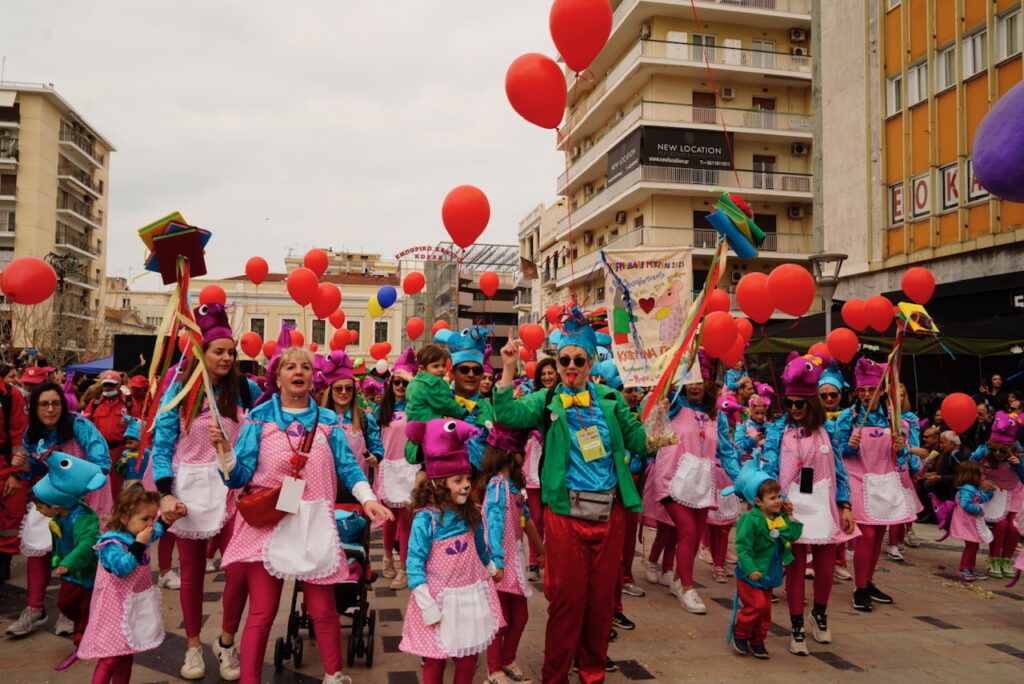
[[937, 631]]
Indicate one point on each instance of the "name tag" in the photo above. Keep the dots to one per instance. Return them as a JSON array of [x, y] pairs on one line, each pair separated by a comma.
[[589, 439], [291, 494]]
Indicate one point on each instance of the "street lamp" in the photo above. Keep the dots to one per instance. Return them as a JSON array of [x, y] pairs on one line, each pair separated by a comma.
[[826, 275]]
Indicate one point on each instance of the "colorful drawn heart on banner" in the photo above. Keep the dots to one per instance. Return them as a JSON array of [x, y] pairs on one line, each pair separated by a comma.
[[647, 304]]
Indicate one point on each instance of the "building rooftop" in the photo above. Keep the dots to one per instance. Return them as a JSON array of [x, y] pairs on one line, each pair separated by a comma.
[[336, 278], [482, 257], [49, 91]]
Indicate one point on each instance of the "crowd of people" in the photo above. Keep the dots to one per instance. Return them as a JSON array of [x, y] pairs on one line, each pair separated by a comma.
[[486, 484]]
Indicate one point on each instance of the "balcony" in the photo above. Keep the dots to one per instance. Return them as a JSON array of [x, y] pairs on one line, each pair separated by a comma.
[[7, 224], [81, 144], [69, 206], [8, 150], [79, 179], [82, 280], [69, 238], [648, 57], [757, 124], [644, 181]]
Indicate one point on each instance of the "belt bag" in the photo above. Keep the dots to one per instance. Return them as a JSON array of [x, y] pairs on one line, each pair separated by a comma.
[[595, 506], [259, 509]]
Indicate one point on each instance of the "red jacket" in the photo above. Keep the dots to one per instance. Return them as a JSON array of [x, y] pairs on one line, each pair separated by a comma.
[[13, 420], [107, 414]]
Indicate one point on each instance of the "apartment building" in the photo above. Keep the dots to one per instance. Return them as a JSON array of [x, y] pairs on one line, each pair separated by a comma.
[[537, 245], [645, 147], [54, 185], [904, 86]]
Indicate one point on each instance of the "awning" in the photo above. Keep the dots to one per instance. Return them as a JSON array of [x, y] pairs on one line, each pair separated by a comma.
[[94, 367], [7, 97]]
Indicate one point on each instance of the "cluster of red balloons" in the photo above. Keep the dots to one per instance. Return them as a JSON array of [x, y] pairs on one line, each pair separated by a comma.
[[532, 335], [788, 288], [342, 338], [724, 337], [380, 350], [28, 280], [876, 312]]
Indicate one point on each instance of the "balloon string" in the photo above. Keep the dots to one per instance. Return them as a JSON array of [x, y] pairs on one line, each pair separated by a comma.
[[568, 194]]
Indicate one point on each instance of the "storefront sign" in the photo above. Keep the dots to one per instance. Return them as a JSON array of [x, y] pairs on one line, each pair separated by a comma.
[[428, 253], [950, 176], [921, 195], [681, 147], [895, 204]]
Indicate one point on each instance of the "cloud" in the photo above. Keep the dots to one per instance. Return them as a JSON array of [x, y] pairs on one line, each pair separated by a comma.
[[284, 125]]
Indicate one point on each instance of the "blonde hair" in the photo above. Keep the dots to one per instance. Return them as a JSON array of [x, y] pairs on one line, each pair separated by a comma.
[[289, 352]]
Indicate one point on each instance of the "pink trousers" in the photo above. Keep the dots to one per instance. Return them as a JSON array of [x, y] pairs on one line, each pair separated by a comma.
[[433, 670], [264, 600], [690, 523], [824, 556], [114, 670], [192, 558], [399, 529], [502, 651], [866, 550]]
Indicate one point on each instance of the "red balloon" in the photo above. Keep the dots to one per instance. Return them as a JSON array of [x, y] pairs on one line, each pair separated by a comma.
[[854, 315], [212, 294], [878, 311], [340, 339], [536, 89], [532, 336], [753, 297], [184, 344], [302, 285], [439, 325], [580, 29], [353, 336], [524, 354], [337, 318], [735, 353], [554, 314], [414, 328], [326, 301], [745, 328], [821, 348], [380, 350], [791, 288], [918, 284], [28, 280], [843, 344], [316, 261], [256, 269], [959, 411], [297, 338], [718, 300], [489, 283], [531, 369], [313, 346], [719, 334], [251, 343], [413, 283], [269, 347], [465, 214]]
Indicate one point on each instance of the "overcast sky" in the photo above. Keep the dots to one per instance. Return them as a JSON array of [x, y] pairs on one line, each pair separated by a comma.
[[278, 125]]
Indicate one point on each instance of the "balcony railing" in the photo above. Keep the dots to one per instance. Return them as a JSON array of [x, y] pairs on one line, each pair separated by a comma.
[[788, 6], [82, 278], [9, 148], [81, 208], [68, 236], [66, 168], [80, 140], [7, 222]]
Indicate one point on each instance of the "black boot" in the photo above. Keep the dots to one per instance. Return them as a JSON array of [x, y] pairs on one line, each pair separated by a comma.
[[798, 642]]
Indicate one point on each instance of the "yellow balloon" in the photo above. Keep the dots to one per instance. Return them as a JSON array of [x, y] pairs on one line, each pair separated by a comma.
[[374, 307]]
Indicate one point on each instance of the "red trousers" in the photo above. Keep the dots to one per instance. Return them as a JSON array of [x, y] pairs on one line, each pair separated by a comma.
[[537, 516], [399, 529], [165, 551], [866, 550], [192, 558], [37, 576], [502, 651], [1004, 538], [12, 512], [433, 670], [581, 570], [632, 524], [73, 600], [690, 524], [824, 561], [755, 615], [718, 543], [664, 545], [897, 533], [115, 670], [969, 558]]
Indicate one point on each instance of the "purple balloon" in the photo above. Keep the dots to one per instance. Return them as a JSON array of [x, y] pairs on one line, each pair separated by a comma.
[[999, 147]]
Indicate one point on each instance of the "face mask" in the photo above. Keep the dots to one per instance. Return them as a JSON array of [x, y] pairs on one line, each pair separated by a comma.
[[111, 393]]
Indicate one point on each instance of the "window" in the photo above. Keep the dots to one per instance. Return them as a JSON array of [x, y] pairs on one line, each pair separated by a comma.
[[708, 50], [319, 331], [258, 326], [353, 326], [1009, 31], [766, 60], [894, 95], [154, 321], [893, 4], [973, 49], [380, 331], [917, 83], [126, 303], [945, 68], [896, 209]]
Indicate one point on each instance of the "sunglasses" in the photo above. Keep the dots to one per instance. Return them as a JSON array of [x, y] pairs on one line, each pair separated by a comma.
[[867, 390], [399, 382], [794, 403], [999, 450], [828, 395], [578, 361], [342, 389], [470, 370]]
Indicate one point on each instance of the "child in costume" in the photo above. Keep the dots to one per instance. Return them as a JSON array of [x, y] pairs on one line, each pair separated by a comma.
[[749, 434], [1000, 459], [75, 528], [429, 396], [470, 351], [968, 523], [125, 608], [908, 466], [453, 611], [764, 535], [132, 464]]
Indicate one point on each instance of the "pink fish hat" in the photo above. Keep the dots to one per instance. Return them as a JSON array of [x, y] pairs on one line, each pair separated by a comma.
[[445, 445], [512, 440], [800, 377], [1005, 428], [728, 403], [405, 367], [212, 320], [488, 368], [372, 387], [763, 395], [867, 373]]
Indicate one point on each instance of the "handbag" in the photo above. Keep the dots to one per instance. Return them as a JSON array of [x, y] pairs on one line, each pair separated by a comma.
[[594, 506], [259, 509]]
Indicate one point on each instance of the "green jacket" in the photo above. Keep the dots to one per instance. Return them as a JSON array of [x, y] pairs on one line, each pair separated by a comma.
[[627, 434], [428, 397], [73, 538], [755, 546]]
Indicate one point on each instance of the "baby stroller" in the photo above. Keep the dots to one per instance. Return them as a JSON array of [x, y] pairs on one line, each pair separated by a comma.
[[351, 597]]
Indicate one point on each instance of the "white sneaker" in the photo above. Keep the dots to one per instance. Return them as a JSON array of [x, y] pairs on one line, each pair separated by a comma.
[[843, 574], [631, 589], [29, 620], [676, 589], [64, 626], [230, 666], [194, 667], [652, 572], [691, 602], [401, 580], [667, 578], [211, 565], [337, 678], [894, 553], [169, 580]]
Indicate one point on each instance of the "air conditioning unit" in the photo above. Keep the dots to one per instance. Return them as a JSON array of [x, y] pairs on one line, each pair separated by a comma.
[[798, 51], [797, 35], [796, 211], [619, 115], [736, 275], [620, 217], [587, 144], [800, 149], [588, 189], [645, 31], [588, 237], [727, 93], [575, 152]]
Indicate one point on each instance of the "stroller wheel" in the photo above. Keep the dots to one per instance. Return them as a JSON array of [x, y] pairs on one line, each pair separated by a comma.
[[351, 649], [297, 652], [279, 653], [371, 629]]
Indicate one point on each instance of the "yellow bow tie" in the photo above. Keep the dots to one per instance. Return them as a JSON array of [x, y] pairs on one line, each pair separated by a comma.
[[55, 528], [465, 403], [778, 523], [581, 399]]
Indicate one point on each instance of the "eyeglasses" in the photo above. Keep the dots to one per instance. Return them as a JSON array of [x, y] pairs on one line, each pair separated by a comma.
[[794, 403], [399, 382], [342, 389], [578, 361], [470, 370], [828, 395], [867, 390], [49, 404]]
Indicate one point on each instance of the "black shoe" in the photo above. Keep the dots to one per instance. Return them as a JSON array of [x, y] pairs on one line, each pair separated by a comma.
[[5, 566], [759, 651], [878, 595], [610, 665], [613, 636], [775, 599], [741, 646], [862, 600], [623, 622]]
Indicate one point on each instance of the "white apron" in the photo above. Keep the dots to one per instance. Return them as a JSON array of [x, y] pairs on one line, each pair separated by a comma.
[[398, 478], [995, 508], [143, 624], [201, 488], [814, 510], [305, 544], [36, 539], [466, 619], [692, 482], [884, 496]]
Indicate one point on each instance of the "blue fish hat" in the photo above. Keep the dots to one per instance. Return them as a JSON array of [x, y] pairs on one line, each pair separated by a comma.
[[609, 371], [748, 482], [466, 345], [833, 376], [577, 332], [68, 480], [133, 429]]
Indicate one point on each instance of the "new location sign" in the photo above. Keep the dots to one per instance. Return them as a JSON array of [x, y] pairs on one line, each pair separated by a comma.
[[672, 147]]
